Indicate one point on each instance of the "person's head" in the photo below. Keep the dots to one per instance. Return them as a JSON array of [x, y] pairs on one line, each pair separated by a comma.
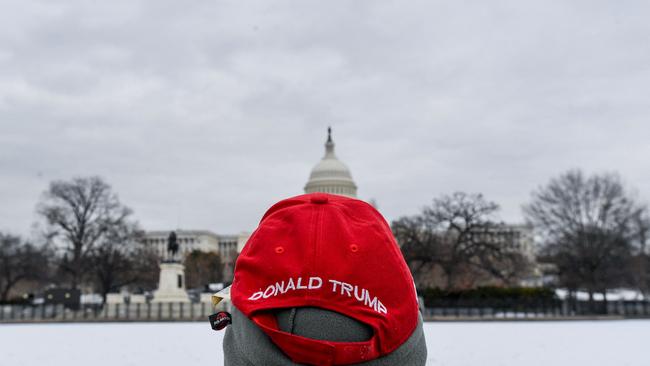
[[322, 282]]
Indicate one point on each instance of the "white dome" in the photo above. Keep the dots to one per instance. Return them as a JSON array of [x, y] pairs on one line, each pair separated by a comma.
[[330, 175]]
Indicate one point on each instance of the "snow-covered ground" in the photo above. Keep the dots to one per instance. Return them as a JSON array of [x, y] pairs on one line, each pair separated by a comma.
[[570, 343], [612, 295]]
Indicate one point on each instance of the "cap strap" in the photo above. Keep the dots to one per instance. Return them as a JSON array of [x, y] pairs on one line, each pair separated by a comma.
[[316, 352]]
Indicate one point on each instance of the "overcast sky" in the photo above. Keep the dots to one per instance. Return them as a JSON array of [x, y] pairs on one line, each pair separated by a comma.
[[201, 114]]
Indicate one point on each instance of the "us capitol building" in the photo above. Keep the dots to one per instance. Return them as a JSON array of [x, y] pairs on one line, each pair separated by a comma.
[[329, 175]]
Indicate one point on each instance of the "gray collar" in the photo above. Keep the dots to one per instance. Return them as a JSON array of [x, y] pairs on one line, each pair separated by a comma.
[[245, 344]]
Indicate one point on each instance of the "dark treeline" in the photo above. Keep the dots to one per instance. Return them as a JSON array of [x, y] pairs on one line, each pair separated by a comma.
[[21, 262], [594, 231], [592, 236], [89, 241], [454, 244]]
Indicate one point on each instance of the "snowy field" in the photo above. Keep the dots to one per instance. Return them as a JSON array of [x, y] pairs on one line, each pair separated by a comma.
[[574, 343]]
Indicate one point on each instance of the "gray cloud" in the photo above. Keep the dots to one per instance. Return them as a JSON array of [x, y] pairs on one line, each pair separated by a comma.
[[203, 114]]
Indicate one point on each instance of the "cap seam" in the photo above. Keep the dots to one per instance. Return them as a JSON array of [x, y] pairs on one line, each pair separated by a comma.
[[316, 239]]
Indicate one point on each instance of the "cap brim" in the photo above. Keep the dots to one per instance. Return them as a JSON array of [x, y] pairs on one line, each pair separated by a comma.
[[221, 295]]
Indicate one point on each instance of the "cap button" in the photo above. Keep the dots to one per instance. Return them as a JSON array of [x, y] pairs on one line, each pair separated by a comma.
[[319, 199]]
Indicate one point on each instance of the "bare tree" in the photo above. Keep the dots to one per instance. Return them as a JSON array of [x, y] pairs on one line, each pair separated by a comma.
[[81, 213], [202, 268], [589, 226], [640, 276], [641, 265], [121, 259], [419, 243], [19, 261], [458, 235], [499, 257]]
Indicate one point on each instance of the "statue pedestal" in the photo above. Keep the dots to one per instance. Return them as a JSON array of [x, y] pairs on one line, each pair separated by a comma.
[[171, 285]]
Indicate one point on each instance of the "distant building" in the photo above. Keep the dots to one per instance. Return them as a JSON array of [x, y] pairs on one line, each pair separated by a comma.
[[515, 238], [201, 240], [188, 240], [520, 238], [330, 175]]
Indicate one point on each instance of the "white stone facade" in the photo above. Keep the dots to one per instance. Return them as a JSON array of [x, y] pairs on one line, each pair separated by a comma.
[[517, 238], [523, 240], [188, 240], [330, 175], [202, 240]]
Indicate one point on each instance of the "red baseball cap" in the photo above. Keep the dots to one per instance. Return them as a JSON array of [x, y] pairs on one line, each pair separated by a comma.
[[330, 252]]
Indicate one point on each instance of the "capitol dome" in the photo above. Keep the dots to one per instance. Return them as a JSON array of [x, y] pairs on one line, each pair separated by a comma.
[[330, 175]]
